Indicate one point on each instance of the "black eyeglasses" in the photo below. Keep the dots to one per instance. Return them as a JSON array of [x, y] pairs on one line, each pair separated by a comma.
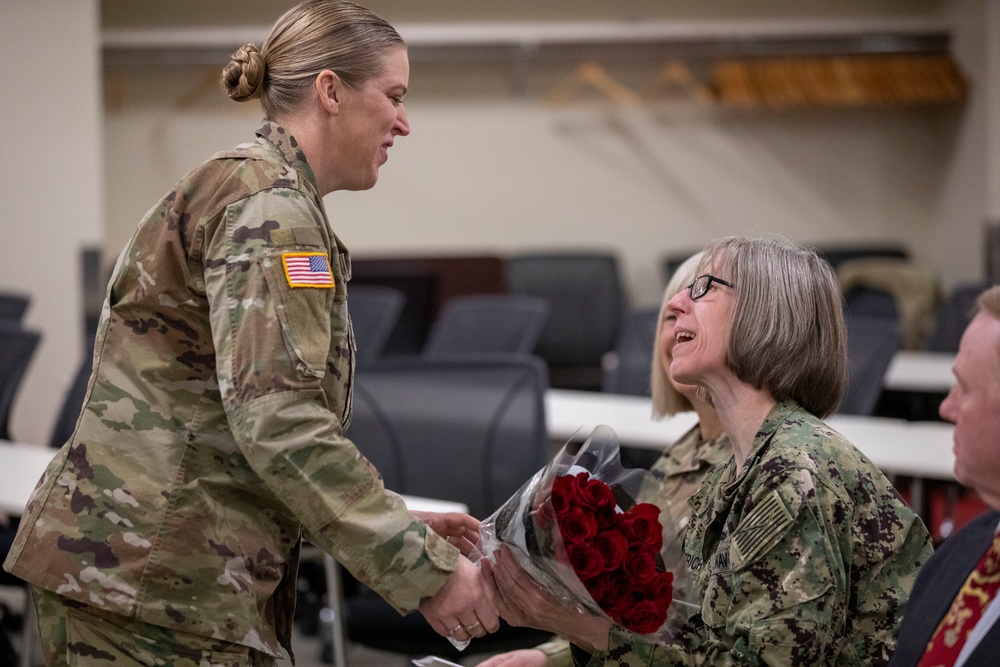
[[702, 284]]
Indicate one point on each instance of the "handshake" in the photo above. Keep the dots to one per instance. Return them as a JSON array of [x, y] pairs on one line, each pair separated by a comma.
[[466, 606]]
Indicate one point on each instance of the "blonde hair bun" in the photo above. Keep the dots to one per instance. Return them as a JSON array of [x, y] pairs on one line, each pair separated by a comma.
[[243, 77]]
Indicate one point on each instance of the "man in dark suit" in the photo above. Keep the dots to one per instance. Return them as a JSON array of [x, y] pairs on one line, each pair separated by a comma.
[[945, 623]]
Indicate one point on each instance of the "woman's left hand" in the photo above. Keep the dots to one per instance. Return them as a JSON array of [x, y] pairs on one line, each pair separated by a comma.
[[459, 529], [523, 602]]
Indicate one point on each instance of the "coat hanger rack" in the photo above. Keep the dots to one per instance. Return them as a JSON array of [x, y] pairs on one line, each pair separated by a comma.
[[208, 82], [591, 76], [675, 75]]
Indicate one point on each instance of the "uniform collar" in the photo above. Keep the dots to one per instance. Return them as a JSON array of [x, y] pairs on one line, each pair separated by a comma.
[[778, 415], [281, 140], [702, 455]]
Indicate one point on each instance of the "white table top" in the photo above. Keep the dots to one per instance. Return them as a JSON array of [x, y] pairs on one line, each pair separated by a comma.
[[918, 449], [421, 504], [920, 371], [21, 466]]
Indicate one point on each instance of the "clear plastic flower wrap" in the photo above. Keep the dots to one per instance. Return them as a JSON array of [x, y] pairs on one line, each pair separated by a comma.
[[597, 535]]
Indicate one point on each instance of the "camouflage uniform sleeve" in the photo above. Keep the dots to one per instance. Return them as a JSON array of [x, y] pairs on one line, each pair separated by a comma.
[[770, 595], [272, 346]]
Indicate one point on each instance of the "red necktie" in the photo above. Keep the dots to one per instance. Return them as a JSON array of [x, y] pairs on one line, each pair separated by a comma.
[[979, 589]]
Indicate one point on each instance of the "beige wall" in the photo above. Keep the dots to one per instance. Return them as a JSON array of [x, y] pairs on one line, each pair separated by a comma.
[[486, 170], [51, 184], [243, 12], [506, 176]]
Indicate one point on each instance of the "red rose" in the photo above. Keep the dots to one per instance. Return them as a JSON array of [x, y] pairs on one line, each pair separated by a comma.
[[640, 564], [593, 493], [598, 587], [641, 525], [649, 510], [561, 494], [586, 562], [614, 554], [644, 617], [607, 518], [612, 546], [661, 589], [618, 596], [577, 525], [545, 515]]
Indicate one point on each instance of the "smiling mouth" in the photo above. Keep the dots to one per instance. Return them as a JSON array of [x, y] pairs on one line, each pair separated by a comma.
[[684, 336]]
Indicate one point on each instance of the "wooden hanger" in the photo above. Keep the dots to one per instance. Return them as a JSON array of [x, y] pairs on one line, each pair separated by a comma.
[[208, 82], [116, 87], [591, 76], [675, 75]]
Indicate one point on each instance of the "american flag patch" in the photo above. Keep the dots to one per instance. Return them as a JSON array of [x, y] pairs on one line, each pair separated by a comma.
[[307, 269]]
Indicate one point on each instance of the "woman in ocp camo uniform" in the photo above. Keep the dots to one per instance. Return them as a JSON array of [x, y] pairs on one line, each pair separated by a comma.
[[167, 530]]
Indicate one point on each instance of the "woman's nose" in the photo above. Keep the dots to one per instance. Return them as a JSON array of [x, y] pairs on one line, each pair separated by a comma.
[[402, 122], [678, 302]]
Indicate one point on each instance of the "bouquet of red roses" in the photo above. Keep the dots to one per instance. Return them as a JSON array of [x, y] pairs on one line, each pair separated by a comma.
[[578, 528]]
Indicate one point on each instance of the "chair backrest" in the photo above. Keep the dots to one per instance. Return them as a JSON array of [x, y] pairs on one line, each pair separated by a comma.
[[670, 262], [953, 317], [468, 430], [838, 254], [69, 412], [586, 302], [870, 302], [374, 311], [17, 347], [13, 306], [487, 323], [627, 366], [871, 344]]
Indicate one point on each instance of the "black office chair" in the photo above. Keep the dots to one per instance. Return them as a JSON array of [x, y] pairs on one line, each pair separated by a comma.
[[672, 261], [22, 623], [953, 317], [838, 254], [864, 301], [465, 430], [627, 367], [487, 323], [374, 311], [17, 347], [13, 306], [69, 412], [871, 344], [586, 302], [419, 286]]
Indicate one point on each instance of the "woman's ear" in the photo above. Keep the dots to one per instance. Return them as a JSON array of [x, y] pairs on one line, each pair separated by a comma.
[[330, 90]]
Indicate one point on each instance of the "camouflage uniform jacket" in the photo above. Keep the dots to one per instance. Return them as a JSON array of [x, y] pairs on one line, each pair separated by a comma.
[[212, 434], [805, 557], [683, 467], [680, 470]]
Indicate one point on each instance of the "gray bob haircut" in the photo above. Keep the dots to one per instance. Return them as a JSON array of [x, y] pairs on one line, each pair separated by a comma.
[[667, 400], [788, 333]]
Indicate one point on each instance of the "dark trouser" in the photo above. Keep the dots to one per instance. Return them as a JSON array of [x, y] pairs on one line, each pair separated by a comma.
[[74, 635]]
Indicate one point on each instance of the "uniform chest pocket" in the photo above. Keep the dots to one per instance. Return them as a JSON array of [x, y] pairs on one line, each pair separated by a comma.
[[342, 366], [776, 559], [719, 585], [304, 310]]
